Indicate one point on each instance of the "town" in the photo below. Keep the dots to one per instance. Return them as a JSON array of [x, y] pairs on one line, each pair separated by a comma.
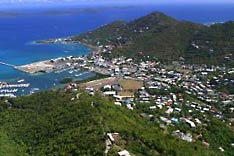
[[181, 98]]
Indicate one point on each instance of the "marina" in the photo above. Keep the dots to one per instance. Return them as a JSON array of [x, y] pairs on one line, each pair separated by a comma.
[[32, 75], [15, 86], [8, 90], [29, 83], [56, 65]]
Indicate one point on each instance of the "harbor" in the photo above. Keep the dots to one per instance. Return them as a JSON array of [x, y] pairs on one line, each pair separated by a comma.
[[39, 78], [53, 65]]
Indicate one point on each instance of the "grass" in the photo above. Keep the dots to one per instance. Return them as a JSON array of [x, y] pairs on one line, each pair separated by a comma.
[[97, 77], [131, 84], [98, 83]]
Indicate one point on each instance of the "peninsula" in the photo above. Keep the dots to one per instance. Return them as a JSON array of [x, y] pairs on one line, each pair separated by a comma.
[[160, 36]]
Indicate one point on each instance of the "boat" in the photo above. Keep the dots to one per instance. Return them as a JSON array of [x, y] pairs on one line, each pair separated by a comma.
[[20, 81]]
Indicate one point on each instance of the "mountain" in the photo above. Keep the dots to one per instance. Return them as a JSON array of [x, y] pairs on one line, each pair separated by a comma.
[[56, 123], [168, 39]]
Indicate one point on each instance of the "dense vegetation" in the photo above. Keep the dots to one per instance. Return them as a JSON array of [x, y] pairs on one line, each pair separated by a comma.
[[53, 123], [167, 39]]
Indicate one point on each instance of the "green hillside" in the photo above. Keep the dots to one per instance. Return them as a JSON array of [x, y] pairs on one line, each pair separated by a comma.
[[50, 124], [167, 39]]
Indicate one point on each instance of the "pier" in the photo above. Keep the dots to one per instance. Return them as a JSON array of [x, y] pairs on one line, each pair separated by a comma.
[[20, 68], [7, 64]]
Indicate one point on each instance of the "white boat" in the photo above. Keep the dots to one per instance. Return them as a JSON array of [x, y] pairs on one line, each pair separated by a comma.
[[20, 81], [26, 85]]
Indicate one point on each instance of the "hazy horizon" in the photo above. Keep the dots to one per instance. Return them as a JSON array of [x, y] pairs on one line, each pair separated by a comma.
[[9, 4]]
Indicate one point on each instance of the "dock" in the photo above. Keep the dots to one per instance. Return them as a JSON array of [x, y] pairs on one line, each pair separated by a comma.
[[31, 68], [36, 67], [7, 64]]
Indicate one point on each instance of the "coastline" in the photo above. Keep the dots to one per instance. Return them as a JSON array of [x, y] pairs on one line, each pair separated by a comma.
[[47, 66], [95, 49]]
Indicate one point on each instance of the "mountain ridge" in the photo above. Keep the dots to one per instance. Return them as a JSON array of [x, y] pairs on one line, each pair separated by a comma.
[[166, 38]]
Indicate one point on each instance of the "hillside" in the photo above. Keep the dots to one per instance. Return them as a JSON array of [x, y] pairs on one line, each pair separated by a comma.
[[50, 123], [168, 39]]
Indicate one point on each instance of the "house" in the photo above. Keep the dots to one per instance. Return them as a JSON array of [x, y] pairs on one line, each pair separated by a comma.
[[165, 120], [127, 101], [190, 123], [129, 106], [178, 109], [175, 120], [116, 87], [169, 111], [118, 98], [89, 89], [91, 93], [205, 143], [109, 93], [152, 107], [117, 70], [107, 87], [160, 106], [221, 149], [110, 137], [188, 137], [118, 104], [124, 153], [198, 121]]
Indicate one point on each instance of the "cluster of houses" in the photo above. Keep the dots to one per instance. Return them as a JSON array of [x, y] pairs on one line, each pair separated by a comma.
[[154, 84], [157, 77], [157, 91]]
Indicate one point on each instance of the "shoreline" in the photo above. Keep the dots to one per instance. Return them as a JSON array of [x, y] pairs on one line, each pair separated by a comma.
[[95, 49], [46, 66], [68, 40]]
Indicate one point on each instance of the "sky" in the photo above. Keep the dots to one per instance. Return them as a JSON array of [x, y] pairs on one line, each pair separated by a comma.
[[22, 3], [113, 1]]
